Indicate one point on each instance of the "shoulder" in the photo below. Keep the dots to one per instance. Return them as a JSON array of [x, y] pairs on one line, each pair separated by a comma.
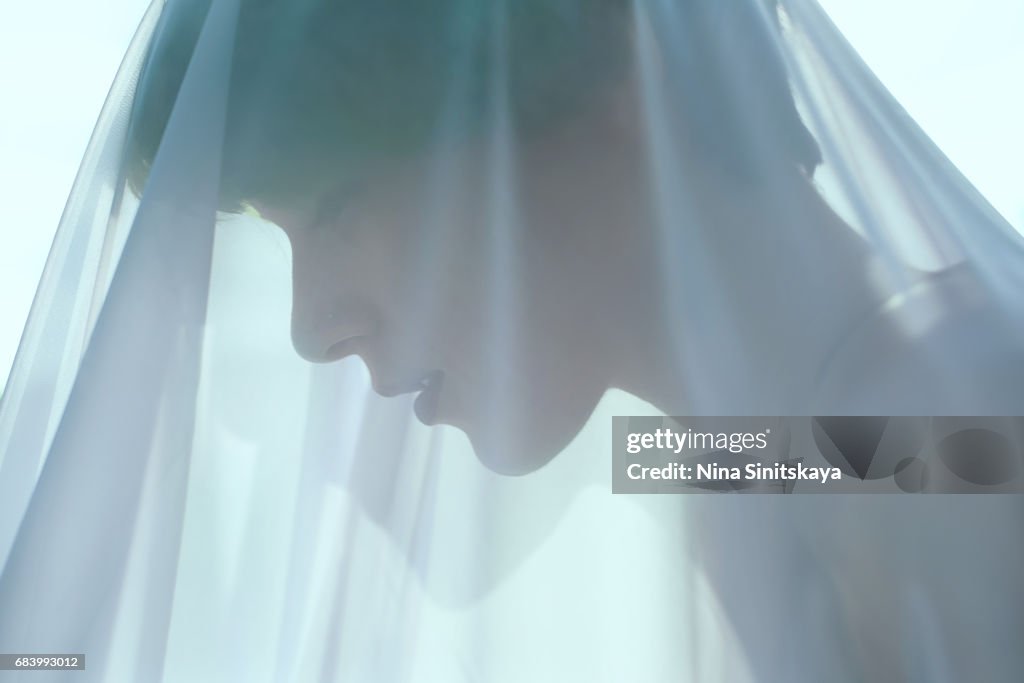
[[943, 346]]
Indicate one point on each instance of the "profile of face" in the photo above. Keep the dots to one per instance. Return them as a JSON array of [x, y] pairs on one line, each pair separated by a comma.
[[502, 272], [481, 281]]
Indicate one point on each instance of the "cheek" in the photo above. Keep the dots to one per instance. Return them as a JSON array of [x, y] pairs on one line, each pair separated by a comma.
[[430, 270]]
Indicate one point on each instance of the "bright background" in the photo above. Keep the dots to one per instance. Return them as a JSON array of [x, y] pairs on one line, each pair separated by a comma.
[[955, 66]]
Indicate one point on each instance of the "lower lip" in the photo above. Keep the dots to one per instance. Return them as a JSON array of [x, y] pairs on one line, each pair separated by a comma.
[[426, 404]]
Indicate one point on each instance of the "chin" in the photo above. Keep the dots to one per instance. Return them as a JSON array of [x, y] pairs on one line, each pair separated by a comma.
[[511, 459], [516, 450]]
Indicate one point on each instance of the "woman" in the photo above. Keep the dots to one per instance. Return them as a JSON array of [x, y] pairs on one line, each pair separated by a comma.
[[509, 209], [499, 180]]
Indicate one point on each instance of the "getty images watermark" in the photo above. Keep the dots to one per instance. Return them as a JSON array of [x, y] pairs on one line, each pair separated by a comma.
[[831, 454]]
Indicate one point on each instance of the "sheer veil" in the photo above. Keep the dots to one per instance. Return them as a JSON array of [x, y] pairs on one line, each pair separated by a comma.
[[184, 498]]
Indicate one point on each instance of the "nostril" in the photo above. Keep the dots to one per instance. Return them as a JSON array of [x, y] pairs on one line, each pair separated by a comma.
[[319, 346], [318, 350], [342, 349], [320, 336]]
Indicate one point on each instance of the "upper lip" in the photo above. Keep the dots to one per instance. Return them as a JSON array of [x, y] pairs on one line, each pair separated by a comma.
[[417, 382]]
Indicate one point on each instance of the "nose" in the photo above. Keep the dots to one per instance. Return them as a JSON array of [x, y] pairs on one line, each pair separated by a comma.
[[326, 341], [328, 319]]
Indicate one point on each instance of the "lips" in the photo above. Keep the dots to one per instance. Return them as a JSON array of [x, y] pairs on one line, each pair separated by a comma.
[[429, 387], [425, 405]]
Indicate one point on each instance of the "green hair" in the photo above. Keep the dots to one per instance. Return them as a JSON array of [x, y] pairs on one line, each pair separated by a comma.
[[321, 88]]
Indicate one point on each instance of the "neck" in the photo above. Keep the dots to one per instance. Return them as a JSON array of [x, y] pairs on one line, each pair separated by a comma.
[[751, 299]]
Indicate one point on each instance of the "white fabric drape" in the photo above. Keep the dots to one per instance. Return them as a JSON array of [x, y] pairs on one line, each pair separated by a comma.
[[183, 499]]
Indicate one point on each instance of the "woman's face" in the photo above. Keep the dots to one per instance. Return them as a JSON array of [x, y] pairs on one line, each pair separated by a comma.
[[476, 279]]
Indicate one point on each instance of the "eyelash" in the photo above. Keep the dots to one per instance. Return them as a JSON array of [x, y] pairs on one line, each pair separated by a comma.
[[329, 211]]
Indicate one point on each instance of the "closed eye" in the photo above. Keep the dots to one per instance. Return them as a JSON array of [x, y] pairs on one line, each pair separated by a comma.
[[333, 204]]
